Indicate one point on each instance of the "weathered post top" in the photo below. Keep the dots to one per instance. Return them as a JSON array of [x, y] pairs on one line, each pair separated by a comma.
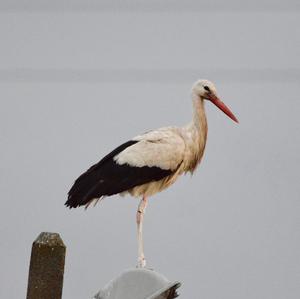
[[46, 269]]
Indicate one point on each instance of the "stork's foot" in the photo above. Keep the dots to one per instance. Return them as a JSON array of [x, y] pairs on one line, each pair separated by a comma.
[[141, 263]]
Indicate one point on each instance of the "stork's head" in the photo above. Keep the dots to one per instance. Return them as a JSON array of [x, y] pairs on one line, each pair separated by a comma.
[[206, 90]]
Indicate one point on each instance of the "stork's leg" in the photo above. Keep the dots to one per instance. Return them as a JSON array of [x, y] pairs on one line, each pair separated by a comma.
[[139, 220]]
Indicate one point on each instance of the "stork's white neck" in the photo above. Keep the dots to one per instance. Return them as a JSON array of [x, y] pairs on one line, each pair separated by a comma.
[[197, 133], [199, 118]]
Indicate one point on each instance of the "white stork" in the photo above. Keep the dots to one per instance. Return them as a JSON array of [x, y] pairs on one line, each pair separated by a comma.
[[150, 162]]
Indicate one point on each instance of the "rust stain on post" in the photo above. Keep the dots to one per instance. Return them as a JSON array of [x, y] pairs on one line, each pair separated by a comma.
[[46, 269]]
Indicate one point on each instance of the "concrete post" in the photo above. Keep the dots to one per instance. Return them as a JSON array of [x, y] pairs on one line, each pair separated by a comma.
[[46, 270]]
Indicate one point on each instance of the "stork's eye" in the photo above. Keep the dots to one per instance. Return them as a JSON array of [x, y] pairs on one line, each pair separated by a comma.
[[207, 88]]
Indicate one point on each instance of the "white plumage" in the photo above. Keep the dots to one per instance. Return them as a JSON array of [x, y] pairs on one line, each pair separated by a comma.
[[162, 148], [149, 162]]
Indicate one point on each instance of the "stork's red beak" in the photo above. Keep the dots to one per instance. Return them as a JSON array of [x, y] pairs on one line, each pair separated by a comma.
[[214, 99]]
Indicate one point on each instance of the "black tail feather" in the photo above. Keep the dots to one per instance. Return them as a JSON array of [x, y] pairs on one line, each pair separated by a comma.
[[108, 178]]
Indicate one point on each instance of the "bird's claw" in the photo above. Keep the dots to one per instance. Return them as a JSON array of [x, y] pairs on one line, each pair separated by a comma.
[[141, 263]]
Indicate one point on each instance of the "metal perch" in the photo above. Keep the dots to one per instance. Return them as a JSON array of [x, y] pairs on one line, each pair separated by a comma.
[[140, 283]]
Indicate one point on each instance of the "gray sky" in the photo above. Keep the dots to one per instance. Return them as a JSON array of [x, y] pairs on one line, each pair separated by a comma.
[[75, 83]]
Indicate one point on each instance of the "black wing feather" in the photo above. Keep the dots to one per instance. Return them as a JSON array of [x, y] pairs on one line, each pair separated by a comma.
[[108, 178]]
